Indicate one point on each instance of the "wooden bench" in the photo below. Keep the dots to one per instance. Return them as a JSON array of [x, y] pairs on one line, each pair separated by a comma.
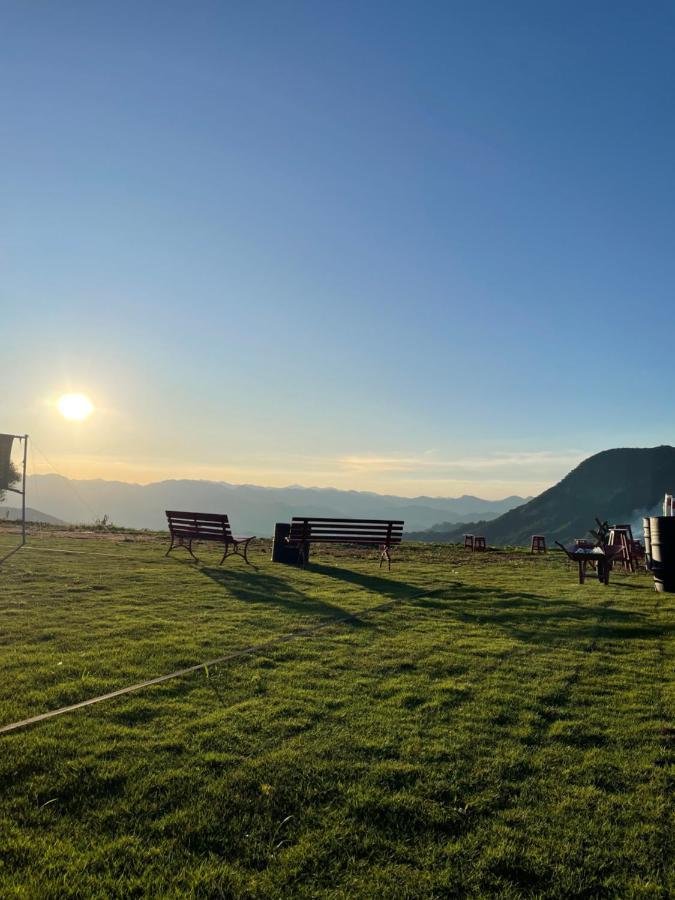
[[383, 533], [186, 527]]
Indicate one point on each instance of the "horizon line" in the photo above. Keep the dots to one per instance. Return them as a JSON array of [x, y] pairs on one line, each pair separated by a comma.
[[264, 487]]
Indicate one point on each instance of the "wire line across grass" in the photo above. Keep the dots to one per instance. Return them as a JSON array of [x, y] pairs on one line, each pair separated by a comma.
[[198, 667]]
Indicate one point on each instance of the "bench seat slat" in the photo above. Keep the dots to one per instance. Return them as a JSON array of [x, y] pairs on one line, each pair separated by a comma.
[[312, 535], [182, 514], [346, 535], [319, 535], [326, 526], [347, 531], [356, 521], [372, 538], [344, 540]]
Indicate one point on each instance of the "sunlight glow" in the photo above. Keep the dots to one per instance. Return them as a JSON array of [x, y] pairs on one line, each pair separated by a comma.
[[75, 407]]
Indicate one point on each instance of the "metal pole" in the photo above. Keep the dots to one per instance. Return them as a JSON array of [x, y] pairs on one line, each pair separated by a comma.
[[23, 494]]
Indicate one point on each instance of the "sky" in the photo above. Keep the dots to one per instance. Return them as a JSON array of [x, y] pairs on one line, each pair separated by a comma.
[[415, 248]]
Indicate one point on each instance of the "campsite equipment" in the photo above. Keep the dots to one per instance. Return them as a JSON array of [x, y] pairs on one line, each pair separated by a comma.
[[599, 557], [474, 542], [622, 536]]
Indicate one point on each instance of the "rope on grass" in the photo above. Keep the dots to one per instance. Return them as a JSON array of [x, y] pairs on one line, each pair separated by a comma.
[[73, 552], [95, 555], [235, 654]]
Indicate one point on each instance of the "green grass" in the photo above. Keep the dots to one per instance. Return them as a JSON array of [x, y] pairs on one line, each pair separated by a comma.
[[509, 733]]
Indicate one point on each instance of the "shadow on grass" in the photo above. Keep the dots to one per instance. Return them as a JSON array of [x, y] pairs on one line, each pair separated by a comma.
[[531, 617], [375, 583], [11, 553], [632, 586], [525, 616], [256, 587]]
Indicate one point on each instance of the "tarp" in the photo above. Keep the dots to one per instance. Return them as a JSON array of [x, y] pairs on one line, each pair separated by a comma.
[[6, 441]]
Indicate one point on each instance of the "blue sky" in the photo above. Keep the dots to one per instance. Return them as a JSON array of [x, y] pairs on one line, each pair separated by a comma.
[[413, 248]]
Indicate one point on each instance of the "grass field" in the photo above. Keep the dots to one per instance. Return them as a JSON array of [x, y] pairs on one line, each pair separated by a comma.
[[496, 730]]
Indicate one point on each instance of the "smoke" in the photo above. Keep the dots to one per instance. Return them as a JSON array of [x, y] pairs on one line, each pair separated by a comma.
[[638, 515]]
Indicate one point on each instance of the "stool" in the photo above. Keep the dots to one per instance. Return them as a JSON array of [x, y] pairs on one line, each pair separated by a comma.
[[622, 536], [538, 544], [468, 542], [479, 543]]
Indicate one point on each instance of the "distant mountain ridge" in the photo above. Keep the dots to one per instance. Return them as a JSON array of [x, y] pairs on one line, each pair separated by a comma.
[[619, 485], [253, 509]]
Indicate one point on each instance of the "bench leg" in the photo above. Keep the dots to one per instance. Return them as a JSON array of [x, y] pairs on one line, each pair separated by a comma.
[[385, 555], [189, 550], [181, 543], [236, 551], [246, 559], [245, 553]]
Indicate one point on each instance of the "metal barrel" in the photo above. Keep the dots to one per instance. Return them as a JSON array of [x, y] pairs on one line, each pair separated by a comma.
[[648, 541], [662, 546]]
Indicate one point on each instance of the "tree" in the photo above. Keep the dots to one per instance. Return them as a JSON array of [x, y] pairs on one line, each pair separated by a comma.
[[14, 476]]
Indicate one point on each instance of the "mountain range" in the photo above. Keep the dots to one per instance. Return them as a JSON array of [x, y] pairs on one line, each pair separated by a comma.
[[620, 486], [251, 508]]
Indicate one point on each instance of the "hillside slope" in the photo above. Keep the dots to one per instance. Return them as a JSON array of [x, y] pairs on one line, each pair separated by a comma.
[[619, 485], [13, 514]]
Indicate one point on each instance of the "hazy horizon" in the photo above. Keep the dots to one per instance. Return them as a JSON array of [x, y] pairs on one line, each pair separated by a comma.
[[287, 486], [404, 477]]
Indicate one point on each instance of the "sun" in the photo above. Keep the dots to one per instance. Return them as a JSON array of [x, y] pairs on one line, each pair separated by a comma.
[[76, 407]]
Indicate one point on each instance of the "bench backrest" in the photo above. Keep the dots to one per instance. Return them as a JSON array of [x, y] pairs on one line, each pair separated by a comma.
[[199, 526], [346, 531]]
